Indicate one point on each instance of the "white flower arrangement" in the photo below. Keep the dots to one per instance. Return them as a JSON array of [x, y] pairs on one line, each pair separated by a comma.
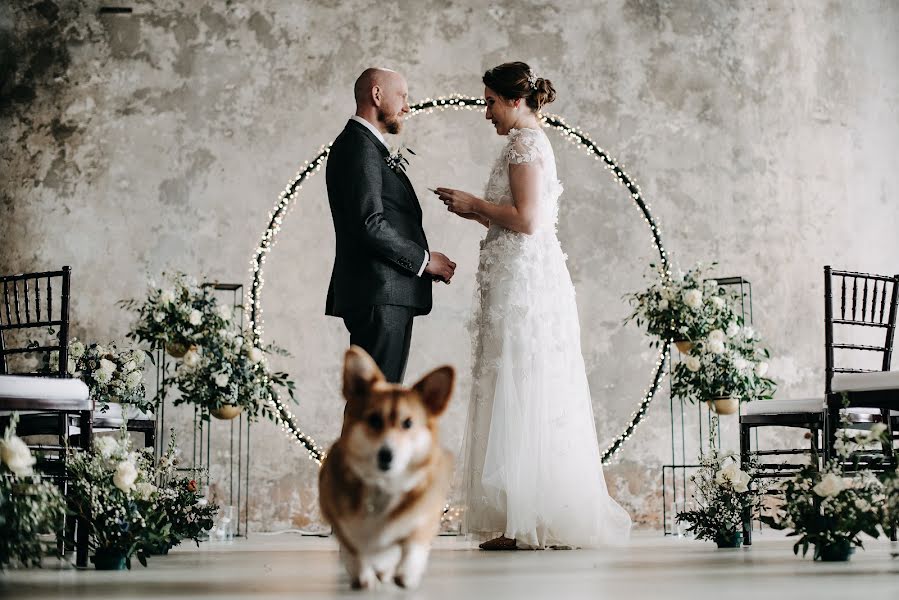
[[113, 375], [30, 507]]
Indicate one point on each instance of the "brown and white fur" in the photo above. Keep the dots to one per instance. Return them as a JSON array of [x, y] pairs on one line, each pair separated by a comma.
[[383, 484]]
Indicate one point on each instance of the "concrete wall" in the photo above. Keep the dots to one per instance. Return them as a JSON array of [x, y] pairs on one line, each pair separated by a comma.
[[763, 134]]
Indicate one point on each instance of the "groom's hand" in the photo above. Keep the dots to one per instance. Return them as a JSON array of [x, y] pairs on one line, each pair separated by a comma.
[[440, 267]]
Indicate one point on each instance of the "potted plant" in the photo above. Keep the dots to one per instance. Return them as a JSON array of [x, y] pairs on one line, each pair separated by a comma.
[[830, 508], [725, 368], [178, 316], [113, 489], [681, 307], [31, 508], [723, 495], [228, 375]]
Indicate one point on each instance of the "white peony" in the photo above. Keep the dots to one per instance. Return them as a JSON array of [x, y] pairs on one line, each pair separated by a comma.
[[223, 311], [761, 369], [196, 317], [741, 364], [16, 455], [107, 365], [732, 330], [221, 379], [125, 476], [255, 355], [76, 349], [693, 298], [106, 446], [129, 366], [134, 379], [191, 359], [159, 317], [716, 334], [167, 296], [693, 363], [102, 376], [717, 302], [748, 332], [829, 486], [663, 304], [716, 346]]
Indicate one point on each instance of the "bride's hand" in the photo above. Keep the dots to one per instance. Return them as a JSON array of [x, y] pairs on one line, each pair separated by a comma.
[[458, 202]]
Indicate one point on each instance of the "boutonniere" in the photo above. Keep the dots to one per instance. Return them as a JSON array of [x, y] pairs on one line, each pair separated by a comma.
[[397, 161]]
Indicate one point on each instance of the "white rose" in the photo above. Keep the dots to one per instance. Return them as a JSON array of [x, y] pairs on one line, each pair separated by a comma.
[[693, 363], [191, 359], [196, 317], [716, 346], [693, 298], [159, 317], [761, 369], [255, 355], [829, 486], [15, 453], [732, 330], [125, 476], [107, 365], [717, 302], [106, 446], [134, 379], [221, 379], [145, 490], [716, 334], [76, 349], [663, 304], [129, 366], [167, 296], [223, 311], [748, 332], [862, 505], [102, 376]]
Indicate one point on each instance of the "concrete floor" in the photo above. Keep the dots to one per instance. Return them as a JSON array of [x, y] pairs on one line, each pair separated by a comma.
[[289, 566]]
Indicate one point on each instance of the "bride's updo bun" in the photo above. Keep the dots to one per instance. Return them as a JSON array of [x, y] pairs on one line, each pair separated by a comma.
[[514, 80]]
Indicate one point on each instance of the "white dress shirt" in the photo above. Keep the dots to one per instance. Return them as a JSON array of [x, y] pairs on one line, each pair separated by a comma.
[[377, 133]]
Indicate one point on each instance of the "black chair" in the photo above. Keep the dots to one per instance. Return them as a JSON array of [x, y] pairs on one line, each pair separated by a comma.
[[867, 303], [28, 308], [812, 414]]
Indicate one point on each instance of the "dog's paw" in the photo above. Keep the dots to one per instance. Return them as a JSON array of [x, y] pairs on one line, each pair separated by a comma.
[[406, 582], [412, 567], [366, 580]]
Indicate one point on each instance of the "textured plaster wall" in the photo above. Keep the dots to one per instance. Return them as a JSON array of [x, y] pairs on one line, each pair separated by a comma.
[[763, 134]]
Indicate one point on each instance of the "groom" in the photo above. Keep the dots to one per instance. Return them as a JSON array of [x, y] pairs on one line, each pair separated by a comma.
[[383, 269]]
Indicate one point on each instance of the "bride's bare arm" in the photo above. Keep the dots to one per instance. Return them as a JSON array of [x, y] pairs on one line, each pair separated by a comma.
[[521, 215]]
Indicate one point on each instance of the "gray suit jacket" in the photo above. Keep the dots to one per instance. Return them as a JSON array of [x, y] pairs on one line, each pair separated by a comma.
[[377, 222]]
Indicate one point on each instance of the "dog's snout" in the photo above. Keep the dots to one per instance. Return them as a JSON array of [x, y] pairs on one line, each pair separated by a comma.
[[385, 457]]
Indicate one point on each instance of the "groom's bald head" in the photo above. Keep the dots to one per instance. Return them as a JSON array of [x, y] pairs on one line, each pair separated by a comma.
[[381, 97]]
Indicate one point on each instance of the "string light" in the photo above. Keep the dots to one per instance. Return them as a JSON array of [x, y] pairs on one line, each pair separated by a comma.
[[287, 199]]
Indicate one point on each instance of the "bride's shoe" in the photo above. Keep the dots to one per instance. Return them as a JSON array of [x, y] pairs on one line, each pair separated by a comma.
[[499, 543]]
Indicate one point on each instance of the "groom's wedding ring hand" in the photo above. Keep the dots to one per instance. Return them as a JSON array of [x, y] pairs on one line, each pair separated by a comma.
[[440, 267]]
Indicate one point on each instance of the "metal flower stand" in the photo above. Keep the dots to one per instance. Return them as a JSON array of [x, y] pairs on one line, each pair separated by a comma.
[[227, 434], [686, 421]]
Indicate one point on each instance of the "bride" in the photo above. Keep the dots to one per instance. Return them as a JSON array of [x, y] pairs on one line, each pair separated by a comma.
[[533, 473]]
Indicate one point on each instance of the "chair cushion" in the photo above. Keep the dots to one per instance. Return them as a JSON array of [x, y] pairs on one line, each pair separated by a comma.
[[865, 382], [784, 407], [65, 391]]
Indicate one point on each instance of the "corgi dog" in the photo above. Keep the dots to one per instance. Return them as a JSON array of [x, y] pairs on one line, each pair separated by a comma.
[[383, 484]]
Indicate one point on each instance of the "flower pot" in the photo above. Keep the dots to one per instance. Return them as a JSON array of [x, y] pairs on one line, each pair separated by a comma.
[[839, 551], [178, 350], [109, 560], [729, 539], [684, 346], [226, 412], [724, 405]]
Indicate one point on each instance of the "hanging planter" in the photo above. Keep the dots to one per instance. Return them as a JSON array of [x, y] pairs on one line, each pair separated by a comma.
[[226, 412], [684, 346], [178, 350], [724, 405]]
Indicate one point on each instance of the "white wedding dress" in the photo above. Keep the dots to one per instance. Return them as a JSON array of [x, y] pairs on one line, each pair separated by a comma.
[[533, 469]]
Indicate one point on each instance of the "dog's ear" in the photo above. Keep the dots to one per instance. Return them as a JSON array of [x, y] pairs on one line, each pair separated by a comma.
[[436, 388], [360, 372]]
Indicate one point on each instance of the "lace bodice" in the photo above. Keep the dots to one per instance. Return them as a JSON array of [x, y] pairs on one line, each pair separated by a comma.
[[527, 146]]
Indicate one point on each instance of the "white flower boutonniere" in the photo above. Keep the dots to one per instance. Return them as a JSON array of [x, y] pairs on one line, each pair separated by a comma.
[[397, 161]]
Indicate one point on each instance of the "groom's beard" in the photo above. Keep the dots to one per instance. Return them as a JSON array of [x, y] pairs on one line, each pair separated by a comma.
[[391, 122]]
